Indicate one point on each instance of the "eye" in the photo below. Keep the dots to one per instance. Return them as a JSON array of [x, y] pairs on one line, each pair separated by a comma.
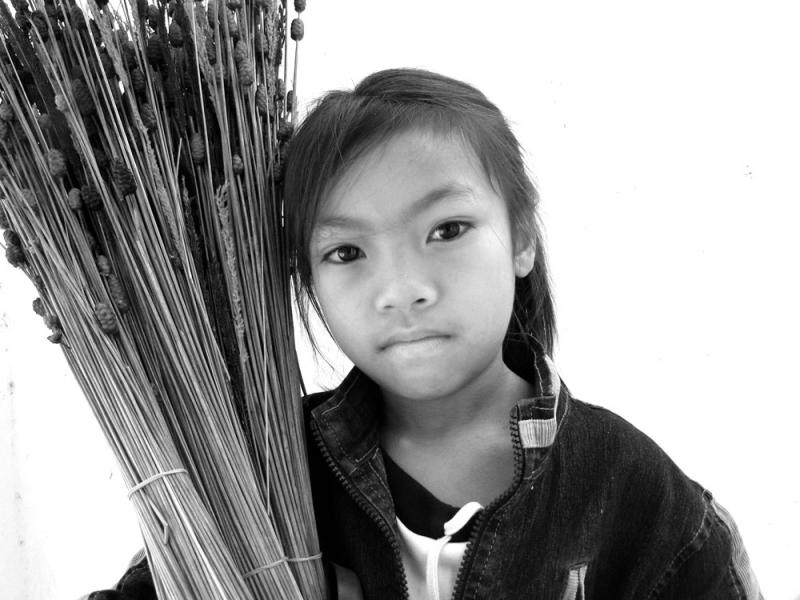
[[343, 254], [450, 230]]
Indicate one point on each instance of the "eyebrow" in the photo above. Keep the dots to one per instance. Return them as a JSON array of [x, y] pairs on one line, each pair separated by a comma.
[[434, 196]]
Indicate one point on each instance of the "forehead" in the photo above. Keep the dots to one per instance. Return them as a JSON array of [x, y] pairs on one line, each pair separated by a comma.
[[404, 169]]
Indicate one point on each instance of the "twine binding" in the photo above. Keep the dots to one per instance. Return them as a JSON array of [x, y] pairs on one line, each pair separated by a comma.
[[153, 478], [138, 487]]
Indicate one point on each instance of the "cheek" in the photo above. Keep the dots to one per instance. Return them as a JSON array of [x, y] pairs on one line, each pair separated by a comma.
[[340, 300], [488, 285], [488, 265]]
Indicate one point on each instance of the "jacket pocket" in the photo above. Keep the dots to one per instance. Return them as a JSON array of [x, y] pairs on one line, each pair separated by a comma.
[[574, 589]]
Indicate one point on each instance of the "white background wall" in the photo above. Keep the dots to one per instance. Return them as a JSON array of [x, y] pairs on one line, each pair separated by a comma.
[[665, 139]]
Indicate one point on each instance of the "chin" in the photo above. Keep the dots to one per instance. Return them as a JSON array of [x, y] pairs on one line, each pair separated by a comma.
[[425, 383], [418, 391]]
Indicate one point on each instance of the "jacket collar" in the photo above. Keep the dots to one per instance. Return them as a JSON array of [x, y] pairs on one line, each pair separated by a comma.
[[348, 417]]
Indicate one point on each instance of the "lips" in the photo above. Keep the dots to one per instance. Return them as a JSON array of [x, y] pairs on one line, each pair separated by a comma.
[[409, 337]]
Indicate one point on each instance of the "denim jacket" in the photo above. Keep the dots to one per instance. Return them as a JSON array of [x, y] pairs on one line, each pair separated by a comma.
[[596, 509]]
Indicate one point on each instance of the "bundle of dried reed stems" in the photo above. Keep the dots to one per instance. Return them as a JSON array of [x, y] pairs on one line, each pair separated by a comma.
[[141, 150]]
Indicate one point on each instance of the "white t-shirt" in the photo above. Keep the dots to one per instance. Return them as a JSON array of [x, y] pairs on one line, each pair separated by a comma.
[[431, 565]]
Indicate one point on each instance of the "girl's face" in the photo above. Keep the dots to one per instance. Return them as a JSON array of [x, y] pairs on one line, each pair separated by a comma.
[[413, 266]]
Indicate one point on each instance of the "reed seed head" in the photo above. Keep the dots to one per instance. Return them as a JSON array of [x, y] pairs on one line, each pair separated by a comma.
[[30, 200], [213, 13], [122, 176], [38, 307], [297, 29], [11, 238], [290, 100], [234, 4], [238, 164], [96, 35], [83, 97], [240, 51], [39, 21], [106, 318], [74, 199], [155, 51], [262, 99], [211, 50], [51, 11], [44, 121], [247, 73], [138, 81], [175, 35], [260, 42], [15, 255], [91, 197], [153, 16], [280, 90], [57, 163], [107, 63], [279, 172], [52, 322], [61, 103], [129, 54], [148, 116], [20, 5], [233, 24], [117, 294], [285, 130], [77, 19], [56, 336], [141, 8], [197, 146], [6, 112], [103, 265], [299, 5], [23, 21], [38, 282]]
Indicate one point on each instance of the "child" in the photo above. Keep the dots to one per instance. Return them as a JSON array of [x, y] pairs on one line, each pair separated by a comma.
[[452, 462]]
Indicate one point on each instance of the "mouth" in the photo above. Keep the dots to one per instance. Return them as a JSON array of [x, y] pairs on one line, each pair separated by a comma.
[[419, 338]]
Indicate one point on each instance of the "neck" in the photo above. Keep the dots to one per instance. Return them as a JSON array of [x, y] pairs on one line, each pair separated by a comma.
[[484, 401]]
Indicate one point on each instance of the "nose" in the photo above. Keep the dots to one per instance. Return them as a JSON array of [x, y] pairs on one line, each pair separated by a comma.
[[404, 284]]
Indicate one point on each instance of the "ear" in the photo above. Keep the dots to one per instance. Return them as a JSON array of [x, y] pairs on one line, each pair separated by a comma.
[[524, 259]]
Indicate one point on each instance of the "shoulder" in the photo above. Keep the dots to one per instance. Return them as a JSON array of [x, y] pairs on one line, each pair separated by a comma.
[[688, 541], [641, 495], [620, 450], [311, 401]]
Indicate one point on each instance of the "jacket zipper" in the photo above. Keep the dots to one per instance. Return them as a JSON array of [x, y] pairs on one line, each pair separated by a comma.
[[376, 517], [483, 517]]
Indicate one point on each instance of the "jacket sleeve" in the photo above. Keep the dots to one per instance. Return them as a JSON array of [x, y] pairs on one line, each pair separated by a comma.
[[713, 566], [135, 584]]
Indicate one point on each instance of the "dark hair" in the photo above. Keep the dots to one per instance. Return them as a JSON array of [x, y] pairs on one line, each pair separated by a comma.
[[343, 125]]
